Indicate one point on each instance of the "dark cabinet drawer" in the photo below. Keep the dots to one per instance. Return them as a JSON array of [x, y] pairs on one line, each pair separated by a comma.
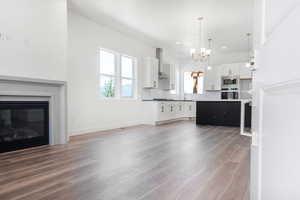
[[219, 113]]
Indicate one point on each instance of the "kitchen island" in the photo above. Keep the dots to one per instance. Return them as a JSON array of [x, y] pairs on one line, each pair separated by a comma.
[[234, 113]]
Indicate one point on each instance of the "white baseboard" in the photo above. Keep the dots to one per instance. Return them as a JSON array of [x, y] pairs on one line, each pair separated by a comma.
[[173, 120], [105, 127], [120, 125], [246, 134]]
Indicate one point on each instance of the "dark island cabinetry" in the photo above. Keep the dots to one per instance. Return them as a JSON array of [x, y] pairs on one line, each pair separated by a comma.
[[219, 113]]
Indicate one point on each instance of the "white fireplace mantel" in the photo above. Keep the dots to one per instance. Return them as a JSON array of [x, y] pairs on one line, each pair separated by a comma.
[[28, 89]]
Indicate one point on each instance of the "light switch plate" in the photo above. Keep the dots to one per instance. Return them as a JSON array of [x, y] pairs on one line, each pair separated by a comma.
[[3, 37]]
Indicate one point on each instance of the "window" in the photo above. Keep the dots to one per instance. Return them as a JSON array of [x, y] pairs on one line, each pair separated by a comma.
[[193, 82], [127, 65], [107, 74], [117, 75]]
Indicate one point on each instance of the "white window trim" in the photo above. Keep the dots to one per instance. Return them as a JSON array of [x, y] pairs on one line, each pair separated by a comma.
[[133, 79], [177, 82], [118, 76]]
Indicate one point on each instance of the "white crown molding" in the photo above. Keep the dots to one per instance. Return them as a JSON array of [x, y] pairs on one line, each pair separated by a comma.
[[283, 87]]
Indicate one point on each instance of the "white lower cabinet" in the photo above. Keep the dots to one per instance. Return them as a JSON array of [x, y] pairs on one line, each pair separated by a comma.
[[190, 109], [180, 109], [162, 111]]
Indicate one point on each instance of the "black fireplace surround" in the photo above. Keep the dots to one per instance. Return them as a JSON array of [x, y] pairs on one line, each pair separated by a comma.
[[23, 124]]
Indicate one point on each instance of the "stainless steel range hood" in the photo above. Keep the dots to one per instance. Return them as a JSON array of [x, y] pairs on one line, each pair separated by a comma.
[[159, 56]]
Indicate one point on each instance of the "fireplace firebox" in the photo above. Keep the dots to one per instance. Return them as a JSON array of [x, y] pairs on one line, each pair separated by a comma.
[[23, 124]]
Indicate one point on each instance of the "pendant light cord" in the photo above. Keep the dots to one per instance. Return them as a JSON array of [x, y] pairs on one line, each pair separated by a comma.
[[201, 32], [249, 54], [209, 46]]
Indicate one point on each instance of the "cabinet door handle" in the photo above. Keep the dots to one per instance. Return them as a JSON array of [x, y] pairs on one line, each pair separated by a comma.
[[162, 109]]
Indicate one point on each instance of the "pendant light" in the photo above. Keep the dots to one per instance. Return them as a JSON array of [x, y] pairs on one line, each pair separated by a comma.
[[200, 53]]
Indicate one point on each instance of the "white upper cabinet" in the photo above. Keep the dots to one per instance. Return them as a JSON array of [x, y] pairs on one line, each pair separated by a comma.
[[230, 69], [169, 83], [212, 79], [245, 72], [236, 69], [150, 73], [172, 77]]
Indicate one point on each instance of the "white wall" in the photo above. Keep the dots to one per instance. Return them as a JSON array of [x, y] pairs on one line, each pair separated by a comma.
[[275, 164], [87, 112], [280, 54], [276, 12], [33, 42]]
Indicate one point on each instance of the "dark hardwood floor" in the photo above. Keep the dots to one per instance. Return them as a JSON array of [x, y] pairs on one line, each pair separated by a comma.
[[178, 161]]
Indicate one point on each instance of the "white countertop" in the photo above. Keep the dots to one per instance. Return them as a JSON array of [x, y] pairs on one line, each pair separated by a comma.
[[173, 100], [241, 100]]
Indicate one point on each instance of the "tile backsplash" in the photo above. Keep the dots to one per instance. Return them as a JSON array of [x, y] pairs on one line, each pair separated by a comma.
[[165, 94], [157, 93], [205, 95]]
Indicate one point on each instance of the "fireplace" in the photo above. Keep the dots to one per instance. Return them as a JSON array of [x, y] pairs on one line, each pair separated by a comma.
[[23, 124]]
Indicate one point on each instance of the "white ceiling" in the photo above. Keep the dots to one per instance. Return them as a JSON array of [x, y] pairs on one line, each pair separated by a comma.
[[171, 21]]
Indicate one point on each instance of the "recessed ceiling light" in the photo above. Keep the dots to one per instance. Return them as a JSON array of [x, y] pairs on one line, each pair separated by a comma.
[[178, 43], [224, 47], [209, 68]]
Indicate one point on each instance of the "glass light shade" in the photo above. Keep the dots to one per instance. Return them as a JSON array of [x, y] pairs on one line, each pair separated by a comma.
[[192, 51], [202, 50]]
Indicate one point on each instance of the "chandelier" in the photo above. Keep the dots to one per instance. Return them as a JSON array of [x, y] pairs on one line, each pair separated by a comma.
[[201, 54]]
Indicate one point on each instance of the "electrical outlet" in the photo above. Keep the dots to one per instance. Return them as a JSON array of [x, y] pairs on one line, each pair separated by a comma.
[[1, 36]]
